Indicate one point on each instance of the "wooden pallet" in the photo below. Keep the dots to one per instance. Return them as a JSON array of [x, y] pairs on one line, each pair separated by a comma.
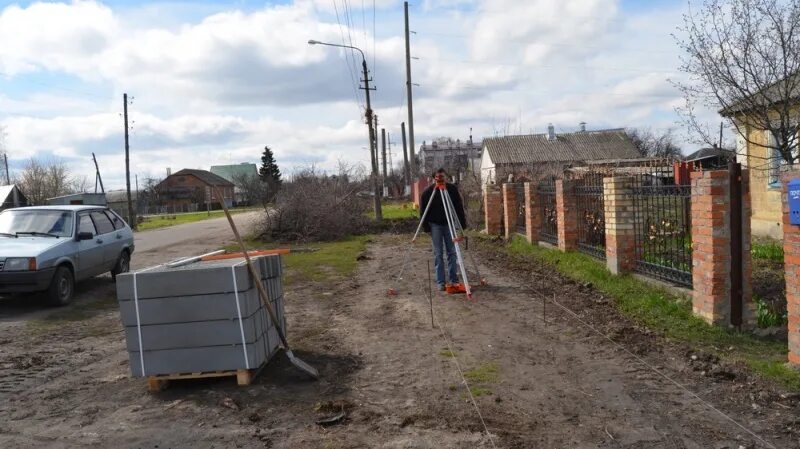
[[243, 377]]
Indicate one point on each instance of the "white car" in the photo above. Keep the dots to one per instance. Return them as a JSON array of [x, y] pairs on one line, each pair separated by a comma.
[[48, 248]]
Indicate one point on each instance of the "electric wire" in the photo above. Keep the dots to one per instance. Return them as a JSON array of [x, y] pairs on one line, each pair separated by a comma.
[[347, 55]]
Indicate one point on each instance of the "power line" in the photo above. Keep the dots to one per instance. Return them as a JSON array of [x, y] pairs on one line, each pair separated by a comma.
[[545, 66], [349, 67], [373, 37]]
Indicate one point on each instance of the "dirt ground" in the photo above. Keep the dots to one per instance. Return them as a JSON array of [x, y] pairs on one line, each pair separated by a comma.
[[541, 380]]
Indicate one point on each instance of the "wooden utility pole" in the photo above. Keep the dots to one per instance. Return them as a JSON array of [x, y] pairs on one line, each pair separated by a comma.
[[97, 176], [383, 152], [372, 144], [406, 174], [8, 178], [412, 151], [131, 217]]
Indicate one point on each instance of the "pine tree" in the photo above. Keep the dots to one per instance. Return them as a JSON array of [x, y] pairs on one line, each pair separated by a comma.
[[269, 171]]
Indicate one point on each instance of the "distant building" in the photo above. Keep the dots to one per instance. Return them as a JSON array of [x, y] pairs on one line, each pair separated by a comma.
[[86, 198], [234, 173], [455, 156], [531, 156], [712, 158], [188, 186], [11, 196], [117, 200]]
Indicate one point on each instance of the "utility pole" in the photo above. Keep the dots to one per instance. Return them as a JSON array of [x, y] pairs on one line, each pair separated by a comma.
[[389, 150], [377, 146], [97, 176], [383, 151], [413, 151], [8, 178], [720, 134], [406, 174], [372, 144], [131, 217]]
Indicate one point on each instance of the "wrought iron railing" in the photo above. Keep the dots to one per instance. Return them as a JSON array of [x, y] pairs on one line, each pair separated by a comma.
[[591, 215], [547, 211], [521, 205]]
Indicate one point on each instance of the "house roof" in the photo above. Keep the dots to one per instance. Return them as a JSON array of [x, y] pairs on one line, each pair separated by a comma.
[[569, 147], [707, 153], [230, 172], [5, 192], [205, 176], [770, 95]]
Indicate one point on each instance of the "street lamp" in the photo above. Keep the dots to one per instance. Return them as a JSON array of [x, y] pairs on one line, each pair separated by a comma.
[[368, 114]]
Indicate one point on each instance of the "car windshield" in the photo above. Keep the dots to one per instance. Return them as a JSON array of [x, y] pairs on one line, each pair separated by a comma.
[[56, 223]]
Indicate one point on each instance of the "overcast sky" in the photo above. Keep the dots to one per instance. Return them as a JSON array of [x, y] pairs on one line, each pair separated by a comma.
[[213, 82]]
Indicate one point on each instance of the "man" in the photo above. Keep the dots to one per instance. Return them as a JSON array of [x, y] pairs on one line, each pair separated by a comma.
[[435, 222]]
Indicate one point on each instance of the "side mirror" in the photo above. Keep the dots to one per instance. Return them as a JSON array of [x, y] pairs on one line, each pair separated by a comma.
[[85, 236]]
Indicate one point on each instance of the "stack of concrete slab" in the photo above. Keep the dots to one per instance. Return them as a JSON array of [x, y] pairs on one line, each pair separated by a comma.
[[205, 316]]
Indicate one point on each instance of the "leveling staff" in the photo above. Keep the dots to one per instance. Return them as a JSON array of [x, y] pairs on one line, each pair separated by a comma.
[[436, 224]]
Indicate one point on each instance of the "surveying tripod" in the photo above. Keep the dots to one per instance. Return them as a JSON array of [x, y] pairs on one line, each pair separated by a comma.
[[456, 234]]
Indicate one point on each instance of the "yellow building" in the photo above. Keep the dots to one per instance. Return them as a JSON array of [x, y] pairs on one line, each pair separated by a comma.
[[764, 164]]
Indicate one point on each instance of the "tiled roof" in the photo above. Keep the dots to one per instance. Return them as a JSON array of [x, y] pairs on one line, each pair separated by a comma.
[[577, 146], [205, 176]]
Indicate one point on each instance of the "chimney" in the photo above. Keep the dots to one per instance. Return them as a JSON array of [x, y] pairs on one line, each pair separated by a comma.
[[551, 132], [582, 126], [169, 172]]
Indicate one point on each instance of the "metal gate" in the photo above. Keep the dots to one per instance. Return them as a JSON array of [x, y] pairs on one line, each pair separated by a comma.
[[591, 215], [547, 211], [520, 188], [662, 224]]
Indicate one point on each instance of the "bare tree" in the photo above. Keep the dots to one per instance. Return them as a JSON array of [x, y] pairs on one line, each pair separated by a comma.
[[742, 57], [651, 144], [40, 180], [254, 189]]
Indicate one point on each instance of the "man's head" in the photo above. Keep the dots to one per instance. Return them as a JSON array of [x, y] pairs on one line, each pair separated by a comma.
[[440, 175]]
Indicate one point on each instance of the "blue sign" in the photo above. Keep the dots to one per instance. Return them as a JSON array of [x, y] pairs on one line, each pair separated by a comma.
[[794, 201]]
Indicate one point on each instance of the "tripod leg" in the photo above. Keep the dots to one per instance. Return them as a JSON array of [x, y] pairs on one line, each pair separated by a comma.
[[449, 214], [471, 257], [424, 214]]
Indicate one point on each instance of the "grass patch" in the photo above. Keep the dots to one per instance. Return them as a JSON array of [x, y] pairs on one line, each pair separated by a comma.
[[479, 391], [447, 353], [486, 373], [668, 313], [767, 250], [163, 221], [397, 211]]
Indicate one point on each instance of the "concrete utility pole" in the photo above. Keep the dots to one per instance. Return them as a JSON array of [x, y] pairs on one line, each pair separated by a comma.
[[8, 178], [377, 146], [413, 152], [131, 217], [406, 174], [383, 152], [389, 151]]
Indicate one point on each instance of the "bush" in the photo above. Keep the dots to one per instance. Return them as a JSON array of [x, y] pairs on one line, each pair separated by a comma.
[[318, 206]]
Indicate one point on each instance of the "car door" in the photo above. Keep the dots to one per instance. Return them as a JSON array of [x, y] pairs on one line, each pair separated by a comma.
[[107, 239], [90, 252]]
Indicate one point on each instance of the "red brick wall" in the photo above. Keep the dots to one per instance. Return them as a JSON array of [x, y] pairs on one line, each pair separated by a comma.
[[620, 236], [711, 249], [533, 218], [791, 260], [510, 208], [567, 215], [493, 209], [197, 187]]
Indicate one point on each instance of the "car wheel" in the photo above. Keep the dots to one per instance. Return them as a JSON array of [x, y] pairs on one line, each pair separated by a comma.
[[62, 287], [123, 265]]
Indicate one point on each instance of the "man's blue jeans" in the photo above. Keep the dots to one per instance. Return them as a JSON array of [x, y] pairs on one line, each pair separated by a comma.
[[441, 234]]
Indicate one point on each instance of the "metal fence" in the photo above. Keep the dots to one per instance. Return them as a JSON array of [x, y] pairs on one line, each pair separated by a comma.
[[521, 228], [662, 224], [547, 211], [591, 215]]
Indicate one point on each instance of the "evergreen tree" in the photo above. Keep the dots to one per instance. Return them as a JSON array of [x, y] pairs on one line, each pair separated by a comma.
[[269, 171]]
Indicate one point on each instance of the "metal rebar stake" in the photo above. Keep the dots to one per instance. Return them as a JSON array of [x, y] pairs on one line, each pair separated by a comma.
[[430, 292]]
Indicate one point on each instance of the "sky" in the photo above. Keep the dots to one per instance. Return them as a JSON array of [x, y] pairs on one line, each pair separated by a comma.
[[213, 82]]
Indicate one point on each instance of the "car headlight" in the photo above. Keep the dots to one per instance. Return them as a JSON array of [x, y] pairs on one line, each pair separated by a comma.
[[20, 264]]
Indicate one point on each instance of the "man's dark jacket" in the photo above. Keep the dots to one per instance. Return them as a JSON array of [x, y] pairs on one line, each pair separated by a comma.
[[436, 213]]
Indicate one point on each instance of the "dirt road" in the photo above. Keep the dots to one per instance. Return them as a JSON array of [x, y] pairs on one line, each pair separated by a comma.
[[538, 382]]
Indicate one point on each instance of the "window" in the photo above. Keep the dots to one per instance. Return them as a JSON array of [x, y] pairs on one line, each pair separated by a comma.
[[86, 225], [115, 220], [775, 159], [102, 223]]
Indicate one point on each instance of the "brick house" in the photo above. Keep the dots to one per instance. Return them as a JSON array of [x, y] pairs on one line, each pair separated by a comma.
[[190, 186], [531, 156]]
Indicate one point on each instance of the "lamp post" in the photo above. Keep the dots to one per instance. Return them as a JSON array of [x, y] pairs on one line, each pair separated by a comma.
[[368, 114]]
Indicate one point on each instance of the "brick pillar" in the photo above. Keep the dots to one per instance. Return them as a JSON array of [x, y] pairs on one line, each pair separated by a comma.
[[620, 234], [493, 209], [567, 215], [711, 249], [791, 262], [533, 216], [510, 208]]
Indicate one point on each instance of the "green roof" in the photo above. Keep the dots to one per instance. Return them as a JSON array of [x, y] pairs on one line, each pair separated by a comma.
[[230, 171]]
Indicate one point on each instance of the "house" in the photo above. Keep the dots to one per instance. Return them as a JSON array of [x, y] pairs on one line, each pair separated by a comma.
[[536, 155], [455, 156], [189, 186], [234, 173], [713, 158], [11, 196], [117, 200], [755, 149]]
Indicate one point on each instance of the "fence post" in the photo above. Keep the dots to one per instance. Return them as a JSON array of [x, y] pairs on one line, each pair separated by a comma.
[[533, 218], [711, 249], [510, 208], [791, 262], [567, 215], [493, 209], [619, 216]]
